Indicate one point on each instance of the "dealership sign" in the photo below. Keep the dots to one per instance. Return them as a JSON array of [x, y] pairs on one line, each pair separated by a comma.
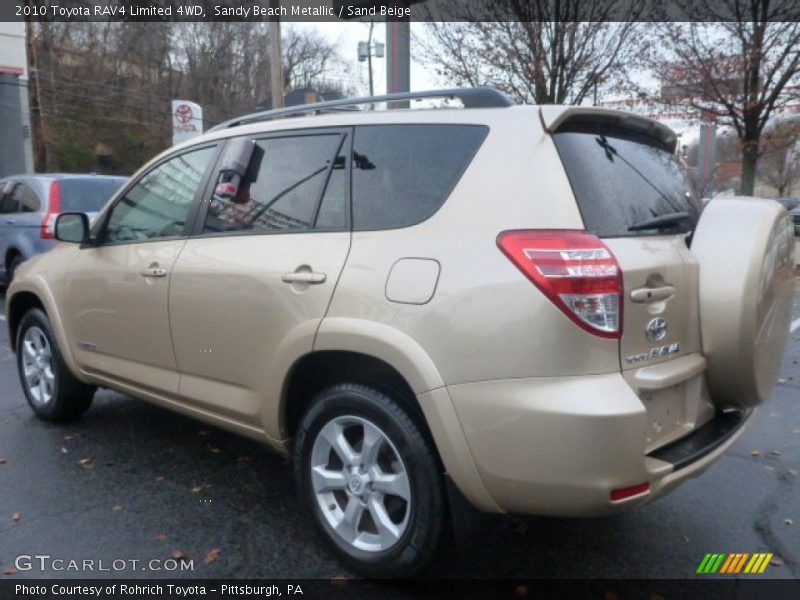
[[187, 120]]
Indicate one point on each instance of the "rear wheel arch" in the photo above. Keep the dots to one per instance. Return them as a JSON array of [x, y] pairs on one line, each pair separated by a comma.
[[11, 254], [318, 370]]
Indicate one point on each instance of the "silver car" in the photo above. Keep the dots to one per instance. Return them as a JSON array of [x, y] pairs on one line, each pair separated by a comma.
[[29, 205]]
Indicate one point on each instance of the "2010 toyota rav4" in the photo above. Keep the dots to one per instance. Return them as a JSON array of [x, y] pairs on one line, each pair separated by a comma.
[[521, 299]]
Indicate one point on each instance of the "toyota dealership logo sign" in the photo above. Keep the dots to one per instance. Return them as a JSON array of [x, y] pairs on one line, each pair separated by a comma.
[[187, 120]]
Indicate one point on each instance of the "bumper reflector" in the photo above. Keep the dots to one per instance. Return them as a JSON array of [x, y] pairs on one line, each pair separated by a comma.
[[627, 492]]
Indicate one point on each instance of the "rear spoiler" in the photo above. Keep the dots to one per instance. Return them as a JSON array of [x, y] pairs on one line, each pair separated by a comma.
[[554, 116]]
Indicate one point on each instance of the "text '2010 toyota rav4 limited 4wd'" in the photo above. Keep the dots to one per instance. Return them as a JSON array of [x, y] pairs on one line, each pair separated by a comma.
[[520, 299]]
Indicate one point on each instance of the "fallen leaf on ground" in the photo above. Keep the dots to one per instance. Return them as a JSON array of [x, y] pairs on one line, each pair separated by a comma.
[[10, 571], [775, 452], [64, 450], [117, 508], [793, 471], [522, 590], [159, 478], [160, 537], [788, 521], [755, 453], [776, 562], [215, 450], [339, 581], [16, 517], [686, 538], [212, 556], [782, 380], [86, 463], [179, 555], [3, 461], [769, 467], [197, 489]]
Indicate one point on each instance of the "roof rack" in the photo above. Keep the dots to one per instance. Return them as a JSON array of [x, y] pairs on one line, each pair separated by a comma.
[[477, 97]]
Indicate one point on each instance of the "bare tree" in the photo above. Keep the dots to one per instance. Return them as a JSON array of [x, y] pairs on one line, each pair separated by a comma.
[[779, 165], [537, 50], [738, 70]]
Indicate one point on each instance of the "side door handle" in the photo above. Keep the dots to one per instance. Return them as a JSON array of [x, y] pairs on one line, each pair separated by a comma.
[[10, 221], [648, 294], [154, 271], [303, 277]]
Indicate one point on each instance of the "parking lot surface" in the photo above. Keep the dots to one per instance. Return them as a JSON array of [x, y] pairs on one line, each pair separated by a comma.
[[134, 482]]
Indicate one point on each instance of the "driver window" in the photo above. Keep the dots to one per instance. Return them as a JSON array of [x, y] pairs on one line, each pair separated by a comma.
[[158, 204]]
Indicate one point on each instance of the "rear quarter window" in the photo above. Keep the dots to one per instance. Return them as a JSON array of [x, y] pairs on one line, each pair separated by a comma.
[[402, 174], [89, 194], [622, 178]]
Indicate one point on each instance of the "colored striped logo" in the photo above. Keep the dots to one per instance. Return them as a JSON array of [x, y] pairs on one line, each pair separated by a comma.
[[737, 562]]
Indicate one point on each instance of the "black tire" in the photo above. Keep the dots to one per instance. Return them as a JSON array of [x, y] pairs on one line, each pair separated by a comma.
[[427, 517], [69, 398], [12, 267]]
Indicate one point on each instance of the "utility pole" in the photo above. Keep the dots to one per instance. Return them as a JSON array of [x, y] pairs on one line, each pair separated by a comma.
[[34, 74], [398, 55], [276, 66], [369, 58]]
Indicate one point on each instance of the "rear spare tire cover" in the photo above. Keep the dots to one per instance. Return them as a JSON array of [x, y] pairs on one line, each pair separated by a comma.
[[745, 249]]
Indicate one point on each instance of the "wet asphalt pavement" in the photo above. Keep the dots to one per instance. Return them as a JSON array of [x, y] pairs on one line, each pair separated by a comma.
[[156, 483]]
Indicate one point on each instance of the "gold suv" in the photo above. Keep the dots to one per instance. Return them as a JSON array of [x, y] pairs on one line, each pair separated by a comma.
[[522, 300]]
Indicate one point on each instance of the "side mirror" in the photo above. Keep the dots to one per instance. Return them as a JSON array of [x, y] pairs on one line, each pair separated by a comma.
[[72, 227]]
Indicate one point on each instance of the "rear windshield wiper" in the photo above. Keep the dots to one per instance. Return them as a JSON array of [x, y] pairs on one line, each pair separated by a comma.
[[661, 221]]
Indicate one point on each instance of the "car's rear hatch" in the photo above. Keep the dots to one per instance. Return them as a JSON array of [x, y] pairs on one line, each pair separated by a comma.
[[632, 194]]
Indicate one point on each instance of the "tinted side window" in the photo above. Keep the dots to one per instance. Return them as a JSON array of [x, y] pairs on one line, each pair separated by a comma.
[[333, 210], [88, 195], [7, 202], [27, 198], [402, 174], [620, 179], [282, 189], [158, 204]]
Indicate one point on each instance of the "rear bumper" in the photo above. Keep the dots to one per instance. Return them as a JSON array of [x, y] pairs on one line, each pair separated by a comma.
[[559, 446]]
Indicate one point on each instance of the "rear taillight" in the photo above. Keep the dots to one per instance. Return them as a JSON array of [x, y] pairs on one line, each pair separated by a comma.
[[53, 209], [575, 270]]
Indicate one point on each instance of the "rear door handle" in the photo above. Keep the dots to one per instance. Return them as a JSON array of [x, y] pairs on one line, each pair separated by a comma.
[[303, 277], [655, 294], [10, 221], [154, 271]]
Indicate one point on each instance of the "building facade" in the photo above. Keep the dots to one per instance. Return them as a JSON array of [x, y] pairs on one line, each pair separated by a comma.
[[16, 149]]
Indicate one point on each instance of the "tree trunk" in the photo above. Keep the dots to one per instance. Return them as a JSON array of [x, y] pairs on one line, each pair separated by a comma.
[[749, 161]]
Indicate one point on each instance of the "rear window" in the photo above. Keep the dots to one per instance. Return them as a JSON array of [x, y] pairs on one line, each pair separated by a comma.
[[402, 174], [88, 195], [622, 180]]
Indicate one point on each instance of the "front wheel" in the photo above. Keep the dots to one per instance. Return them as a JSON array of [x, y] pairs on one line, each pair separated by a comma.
[[371, 481], [51, 389]]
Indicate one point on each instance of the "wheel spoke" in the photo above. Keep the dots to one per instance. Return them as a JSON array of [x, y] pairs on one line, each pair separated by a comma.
[[43, 396], [31, 374], [373, 440], [36, 338], [387, 530], [393, 484], [325, 480], [334, 435], [348, 526], [28, 350]]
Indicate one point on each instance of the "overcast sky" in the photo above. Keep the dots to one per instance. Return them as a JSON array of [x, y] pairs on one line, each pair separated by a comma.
[[347, 36]]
